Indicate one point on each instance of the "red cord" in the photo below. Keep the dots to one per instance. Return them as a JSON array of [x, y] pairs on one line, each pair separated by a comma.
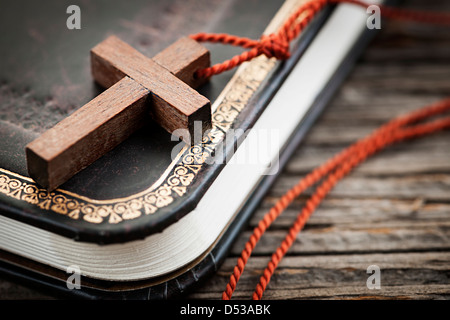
[[273, 45], [277, 45], [395, 131], [377, 142]]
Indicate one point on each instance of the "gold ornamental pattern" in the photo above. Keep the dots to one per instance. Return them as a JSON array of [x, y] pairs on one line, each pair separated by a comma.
[[180, 174]]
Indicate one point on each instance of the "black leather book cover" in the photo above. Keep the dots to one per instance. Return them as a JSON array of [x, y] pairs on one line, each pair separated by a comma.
[[143, 185]]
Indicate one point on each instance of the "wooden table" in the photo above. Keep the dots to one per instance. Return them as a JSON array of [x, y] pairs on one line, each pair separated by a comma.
[[393, 211]]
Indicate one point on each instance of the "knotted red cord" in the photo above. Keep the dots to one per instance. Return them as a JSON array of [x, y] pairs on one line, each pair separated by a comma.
[[277, 45], [273, 45]]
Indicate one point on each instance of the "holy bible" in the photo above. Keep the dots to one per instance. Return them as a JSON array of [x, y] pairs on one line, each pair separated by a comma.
[[153, 216]]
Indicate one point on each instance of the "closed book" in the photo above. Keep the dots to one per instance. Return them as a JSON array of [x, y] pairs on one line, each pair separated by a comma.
[[154, 217]]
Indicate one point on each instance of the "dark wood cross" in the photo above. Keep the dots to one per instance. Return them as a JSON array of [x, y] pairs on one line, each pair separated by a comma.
[[137, 85]]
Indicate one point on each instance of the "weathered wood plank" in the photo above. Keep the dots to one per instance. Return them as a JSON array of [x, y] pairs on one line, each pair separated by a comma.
[[417, 157], [430, 186], [364, 238], [335, 133], [403, 276], [347, 107], [350, 212]]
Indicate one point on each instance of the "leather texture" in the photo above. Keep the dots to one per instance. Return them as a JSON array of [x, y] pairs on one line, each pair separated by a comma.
[[46, 76]]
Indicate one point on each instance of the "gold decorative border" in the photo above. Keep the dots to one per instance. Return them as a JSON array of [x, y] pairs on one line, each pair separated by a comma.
[[180, 175]]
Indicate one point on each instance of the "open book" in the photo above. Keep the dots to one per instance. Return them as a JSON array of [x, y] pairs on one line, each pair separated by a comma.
[[153, 217]]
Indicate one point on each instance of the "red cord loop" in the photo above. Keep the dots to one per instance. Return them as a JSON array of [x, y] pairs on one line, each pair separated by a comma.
[[277, 44], [274, 46]]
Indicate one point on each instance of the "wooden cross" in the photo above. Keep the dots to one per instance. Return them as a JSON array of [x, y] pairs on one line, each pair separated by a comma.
[[137, 85]]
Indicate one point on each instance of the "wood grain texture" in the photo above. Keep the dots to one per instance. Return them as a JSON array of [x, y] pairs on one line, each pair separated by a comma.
[[174, 104], [185, 57], [87, 134], [138, 86]]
